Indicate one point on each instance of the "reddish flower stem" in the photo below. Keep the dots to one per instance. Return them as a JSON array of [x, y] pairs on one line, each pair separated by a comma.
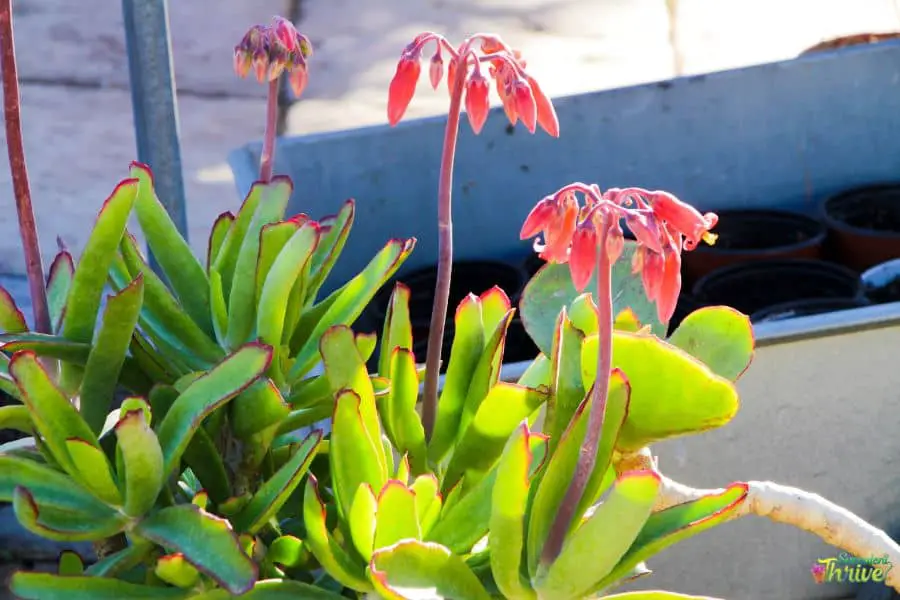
[[267, 158], [588, 456], [445, 256], [15, 147]]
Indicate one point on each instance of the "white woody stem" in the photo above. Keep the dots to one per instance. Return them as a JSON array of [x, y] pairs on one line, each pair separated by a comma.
[[834, 524]]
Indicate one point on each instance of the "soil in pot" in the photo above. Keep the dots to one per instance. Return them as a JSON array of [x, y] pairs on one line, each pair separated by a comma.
[[751, 287], [751, 235], [882, 282], [806, 308], [864, 225]]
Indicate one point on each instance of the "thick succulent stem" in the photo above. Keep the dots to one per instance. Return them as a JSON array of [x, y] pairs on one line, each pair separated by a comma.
[[267, 158], [27, 228], [834, 524], [445, 257], [588, 456]]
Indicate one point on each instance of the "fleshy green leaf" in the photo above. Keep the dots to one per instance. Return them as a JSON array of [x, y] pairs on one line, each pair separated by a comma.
[[62, 526], [217, 306], [41, 586], [466, 350], [273, 237], [353, 454], [70, 563], [501, 411], [428, 500], [675, 524], [50, 488], [175, 570], [205, 540], [257, 408], [361, 520], [413, 569], [101, 374], [672, 393], [15, 417], [217, 234], [551, 289], [626, 320], [205, 395], [276, 590], [718, 336], [507, 523], [656, 595], [242, 298], [330, 247], [345, 305], [273, 301], [333, 558], [142, 460], [226, 257], [11, 318], [59, 280], [566, 389], [593, 549], [94, 470], [272, 495], [396, 518], [397, 332], [181, 268], [121, 561], [400, 405]]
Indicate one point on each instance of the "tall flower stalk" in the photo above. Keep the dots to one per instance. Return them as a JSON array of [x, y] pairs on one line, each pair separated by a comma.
[[270, 51], [588, 236], [522, 99], [21, 188]]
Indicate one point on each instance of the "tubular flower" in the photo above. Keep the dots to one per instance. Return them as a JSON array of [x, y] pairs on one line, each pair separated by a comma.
[[269, 51], [521, 96], [663, 226]]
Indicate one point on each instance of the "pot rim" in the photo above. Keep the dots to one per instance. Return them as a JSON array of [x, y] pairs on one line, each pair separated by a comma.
[[836, 224], [876, 275], [812, 241], [772, 310], [697, 288]]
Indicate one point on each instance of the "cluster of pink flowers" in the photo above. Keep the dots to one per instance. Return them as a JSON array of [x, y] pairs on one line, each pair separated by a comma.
[[270, 50], [662, 225], [520, 94]]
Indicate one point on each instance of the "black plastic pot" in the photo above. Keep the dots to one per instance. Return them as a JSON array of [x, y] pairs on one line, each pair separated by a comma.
[[754, 286], [881, 283], [864, 225], [805, 308], [753, 235]]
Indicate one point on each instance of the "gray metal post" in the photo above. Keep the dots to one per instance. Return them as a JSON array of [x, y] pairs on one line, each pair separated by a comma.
[[154, 103]]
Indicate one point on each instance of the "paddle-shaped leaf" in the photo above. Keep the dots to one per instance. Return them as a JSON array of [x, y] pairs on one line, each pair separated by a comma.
[[181, 268], [15, 417], [60, 525], [551, 289], [677, 523], [361, 520], [59, 280], [49, 487], [414, 569], [175, 570], [101, 374], [397, 332], [272, 495], [257, 408], [592, 550], [205, 395], [466, 350], [41, 586], [242, 298], [399, 410], [566, 389], [395, 517], [656, 595], [345, 305], [336, 229], [720, 337], [217, 234], [333, 558], [507, 524], [353, 454], [142, 460], [272, 239], [672, 393], [205, 540], [11, 318]]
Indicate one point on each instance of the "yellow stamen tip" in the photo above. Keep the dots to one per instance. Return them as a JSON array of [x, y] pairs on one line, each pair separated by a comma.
[[710, 238]]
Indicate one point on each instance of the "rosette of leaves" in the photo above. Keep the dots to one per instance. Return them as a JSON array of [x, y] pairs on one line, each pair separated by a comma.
[[262, 282], [467, 514]]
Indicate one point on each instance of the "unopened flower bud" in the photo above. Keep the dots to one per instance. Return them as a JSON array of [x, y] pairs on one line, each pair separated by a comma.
[[477, 101], [436, 69], [526, 108], [403, 86]]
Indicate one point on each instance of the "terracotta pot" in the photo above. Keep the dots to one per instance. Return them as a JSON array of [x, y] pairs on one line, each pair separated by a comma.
[[805, 308], [751, 287], [752, 235], [864, 225], [882, 282]]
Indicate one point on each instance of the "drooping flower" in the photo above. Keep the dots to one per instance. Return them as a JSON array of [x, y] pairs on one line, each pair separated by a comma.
[[477, 102], [684, 219], [273, 50], [403, 86]]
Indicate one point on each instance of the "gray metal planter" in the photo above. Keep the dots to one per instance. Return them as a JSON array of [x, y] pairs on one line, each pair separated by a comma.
[[819, 404]]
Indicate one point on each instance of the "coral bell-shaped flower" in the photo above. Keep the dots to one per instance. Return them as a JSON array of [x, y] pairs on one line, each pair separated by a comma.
[[526, 109], [684, 219], [583, 256], [273, 50], [477, 103], [403, 86], [555, 217]]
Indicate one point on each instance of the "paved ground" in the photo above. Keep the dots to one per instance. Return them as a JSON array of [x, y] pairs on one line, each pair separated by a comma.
[[77, 112]]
